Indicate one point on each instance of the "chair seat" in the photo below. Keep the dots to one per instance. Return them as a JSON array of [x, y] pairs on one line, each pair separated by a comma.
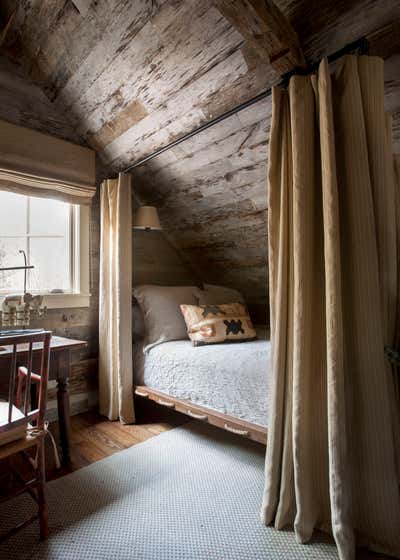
[[18, 445], [16, 433]]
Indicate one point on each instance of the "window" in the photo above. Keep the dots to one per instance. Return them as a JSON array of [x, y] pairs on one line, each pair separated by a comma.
[[54, 236]]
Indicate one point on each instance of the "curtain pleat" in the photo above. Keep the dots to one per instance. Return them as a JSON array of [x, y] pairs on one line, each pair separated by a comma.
[[115, 306], [331, 454], [339, 483]]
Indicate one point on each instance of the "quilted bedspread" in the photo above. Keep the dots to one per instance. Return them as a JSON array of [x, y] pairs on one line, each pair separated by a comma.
[[229, 378]]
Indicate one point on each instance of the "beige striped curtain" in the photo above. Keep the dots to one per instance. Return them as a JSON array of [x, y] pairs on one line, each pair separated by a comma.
[[331, 454], [115, 306]]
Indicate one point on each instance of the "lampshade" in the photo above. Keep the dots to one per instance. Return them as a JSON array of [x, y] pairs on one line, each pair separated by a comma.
[[146, 217]]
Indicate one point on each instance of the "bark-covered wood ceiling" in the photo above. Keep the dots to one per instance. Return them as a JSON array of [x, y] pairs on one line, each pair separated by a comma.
[[131, 76]]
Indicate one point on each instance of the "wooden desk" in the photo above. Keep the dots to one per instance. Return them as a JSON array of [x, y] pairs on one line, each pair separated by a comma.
[[60, 370]]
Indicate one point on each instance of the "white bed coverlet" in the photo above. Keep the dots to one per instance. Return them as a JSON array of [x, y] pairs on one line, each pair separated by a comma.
[[229, 378]]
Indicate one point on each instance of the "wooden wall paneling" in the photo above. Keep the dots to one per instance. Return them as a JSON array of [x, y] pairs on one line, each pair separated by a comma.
[[155, 261], [121, 25], [23, 103], [159, 54], [212, 197]]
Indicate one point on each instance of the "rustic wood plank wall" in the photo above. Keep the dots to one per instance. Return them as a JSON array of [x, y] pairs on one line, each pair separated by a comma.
[[156, 261], [211, 192], [132, 80], [24, 104]]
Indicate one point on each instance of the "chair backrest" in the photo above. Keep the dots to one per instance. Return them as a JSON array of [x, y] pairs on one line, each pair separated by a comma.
[[21, 349]]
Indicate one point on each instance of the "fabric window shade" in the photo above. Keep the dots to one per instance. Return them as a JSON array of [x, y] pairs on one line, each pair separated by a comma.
[[333, 254], [36, 164]]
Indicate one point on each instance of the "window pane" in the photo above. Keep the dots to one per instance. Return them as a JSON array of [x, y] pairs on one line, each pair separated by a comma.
[[9, 256], [12, 213], [48, 217], [50, 256]]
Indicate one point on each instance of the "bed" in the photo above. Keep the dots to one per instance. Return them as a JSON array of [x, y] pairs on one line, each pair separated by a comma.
[[223, 384]]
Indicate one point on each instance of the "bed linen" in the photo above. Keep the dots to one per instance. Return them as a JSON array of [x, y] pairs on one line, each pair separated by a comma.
[[232, 378]]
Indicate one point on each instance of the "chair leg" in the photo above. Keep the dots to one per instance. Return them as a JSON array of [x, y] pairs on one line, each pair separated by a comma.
[[42, 504]]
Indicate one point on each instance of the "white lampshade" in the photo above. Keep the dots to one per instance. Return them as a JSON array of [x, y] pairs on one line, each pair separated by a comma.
[[146, 217]]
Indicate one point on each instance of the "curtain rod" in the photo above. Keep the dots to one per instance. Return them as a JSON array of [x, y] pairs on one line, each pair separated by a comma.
[[361, 45]]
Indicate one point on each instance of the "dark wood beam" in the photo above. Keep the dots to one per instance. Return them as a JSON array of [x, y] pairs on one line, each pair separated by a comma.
[[266, 30]]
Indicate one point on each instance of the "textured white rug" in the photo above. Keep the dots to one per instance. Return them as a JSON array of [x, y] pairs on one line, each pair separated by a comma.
[[191, 493]]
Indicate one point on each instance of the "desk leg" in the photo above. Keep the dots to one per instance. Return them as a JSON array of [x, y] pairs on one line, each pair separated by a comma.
[[64, 416]]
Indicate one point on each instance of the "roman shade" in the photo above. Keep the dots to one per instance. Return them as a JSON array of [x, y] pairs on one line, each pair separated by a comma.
[[36, 164]]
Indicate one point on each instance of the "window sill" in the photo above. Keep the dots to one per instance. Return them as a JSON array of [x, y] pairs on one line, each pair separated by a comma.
[[62, 301]]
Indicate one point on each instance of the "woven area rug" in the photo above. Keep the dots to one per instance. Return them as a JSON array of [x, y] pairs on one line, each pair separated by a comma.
[[191, 493]]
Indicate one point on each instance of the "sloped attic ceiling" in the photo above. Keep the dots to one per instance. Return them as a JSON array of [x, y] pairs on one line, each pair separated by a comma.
[[131, 76], [22, 101]]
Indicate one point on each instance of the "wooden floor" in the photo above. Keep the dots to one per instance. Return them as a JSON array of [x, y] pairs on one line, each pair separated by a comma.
[[94, 438]]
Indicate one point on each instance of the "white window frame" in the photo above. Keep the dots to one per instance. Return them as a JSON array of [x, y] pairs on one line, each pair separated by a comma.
[[79, 266]]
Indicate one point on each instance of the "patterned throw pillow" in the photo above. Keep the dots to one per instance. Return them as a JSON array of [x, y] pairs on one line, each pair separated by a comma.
[[209, 324]]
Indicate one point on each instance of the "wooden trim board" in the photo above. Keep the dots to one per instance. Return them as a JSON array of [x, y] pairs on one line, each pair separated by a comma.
[[198, 412]]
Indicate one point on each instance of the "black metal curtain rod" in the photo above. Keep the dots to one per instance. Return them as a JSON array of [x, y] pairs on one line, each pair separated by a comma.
[[361, 46]]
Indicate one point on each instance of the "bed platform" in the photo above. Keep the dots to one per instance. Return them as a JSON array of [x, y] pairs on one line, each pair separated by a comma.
[[226, 385], [198, 412]]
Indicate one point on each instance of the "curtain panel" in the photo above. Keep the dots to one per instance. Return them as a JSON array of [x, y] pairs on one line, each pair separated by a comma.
[[333, 255], [115, 306], [36, 164]]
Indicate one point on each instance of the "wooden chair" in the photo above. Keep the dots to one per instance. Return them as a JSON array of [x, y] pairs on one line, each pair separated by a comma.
[[22, 424]]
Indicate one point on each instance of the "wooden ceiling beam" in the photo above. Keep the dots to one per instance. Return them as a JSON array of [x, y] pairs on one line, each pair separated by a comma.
[[266, 30]]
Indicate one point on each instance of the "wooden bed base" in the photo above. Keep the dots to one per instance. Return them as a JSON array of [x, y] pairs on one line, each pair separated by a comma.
[[224, 421]]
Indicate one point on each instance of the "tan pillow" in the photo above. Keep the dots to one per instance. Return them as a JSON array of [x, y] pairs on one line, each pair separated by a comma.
[[209, 324], [163, 319], [213, 294]]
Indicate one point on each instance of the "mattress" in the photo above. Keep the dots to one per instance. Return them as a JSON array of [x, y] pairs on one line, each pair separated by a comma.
[[231, 378]]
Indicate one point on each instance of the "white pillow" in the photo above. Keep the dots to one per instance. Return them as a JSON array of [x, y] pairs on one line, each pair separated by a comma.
[[214, 295], [161, 311]]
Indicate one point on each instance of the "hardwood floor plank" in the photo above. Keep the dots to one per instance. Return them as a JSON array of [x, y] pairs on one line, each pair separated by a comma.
[[94, 437]]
